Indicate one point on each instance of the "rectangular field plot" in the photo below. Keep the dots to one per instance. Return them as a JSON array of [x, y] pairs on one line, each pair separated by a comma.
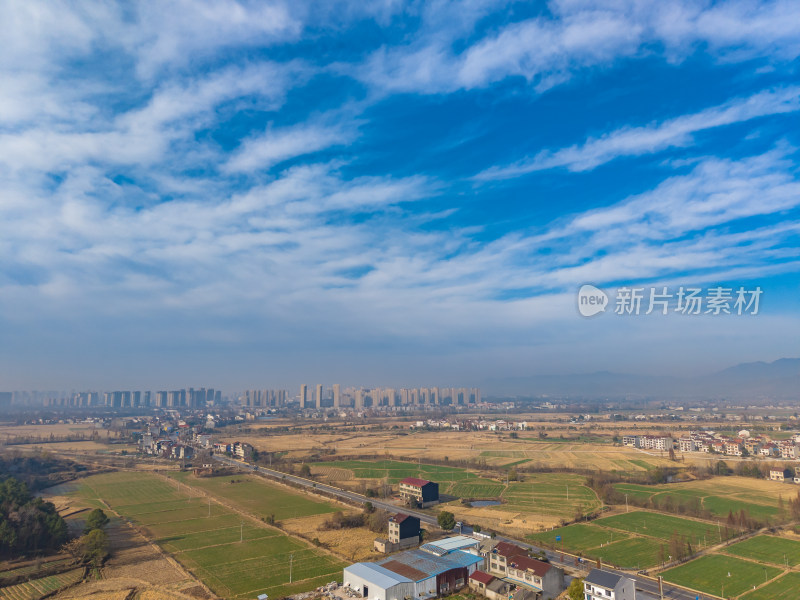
[[556, 494], [259, 497], [161, 530], [783, 588], [122, 488], [578, 538], [480, 488], [215, 537], [662, 527], [769, 549], [397, 470], [715, 573], [263, 573], [634, 553], [187, 512]]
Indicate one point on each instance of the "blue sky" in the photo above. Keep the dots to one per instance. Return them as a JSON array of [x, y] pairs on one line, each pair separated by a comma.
[[244, 194]]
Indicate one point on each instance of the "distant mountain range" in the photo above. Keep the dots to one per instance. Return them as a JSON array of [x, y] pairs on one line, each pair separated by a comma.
[[758, 381]]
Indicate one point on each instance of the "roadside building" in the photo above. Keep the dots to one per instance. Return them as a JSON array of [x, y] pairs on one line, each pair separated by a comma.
[[489, 586], [513, 563], [412, 575], [604, 585], [536, 574], [403, 534], [422, 492]]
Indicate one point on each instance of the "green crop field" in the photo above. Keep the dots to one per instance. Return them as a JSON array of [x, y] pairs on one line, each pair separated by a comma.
[[256, 496], [578, 538], [717, 496], [714, 573], [559, 494], [480, 488], [783, 588], [634, 540], [210, 545], [769, 549], [394, 471], [662, 526], [633, 553]]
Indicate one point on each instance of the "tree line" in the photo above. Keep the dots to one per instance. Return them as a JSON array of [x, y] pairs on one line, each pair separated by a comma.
[[28, 525]]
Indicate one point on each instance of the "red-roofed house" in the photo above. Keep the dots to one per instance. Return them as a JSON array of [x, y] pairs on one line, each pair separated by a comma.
[[420, 491], [513, 563]]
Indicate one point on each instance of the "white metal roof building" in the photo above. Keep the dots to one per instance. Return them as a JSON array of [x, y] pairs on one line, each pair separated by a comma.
[[447, 545], [377, 583]]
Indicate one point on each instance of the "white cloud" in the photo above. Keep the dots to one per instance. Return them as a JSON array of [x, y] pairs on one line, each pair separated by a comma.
[[547, 50], [636, 141], [274, 146]]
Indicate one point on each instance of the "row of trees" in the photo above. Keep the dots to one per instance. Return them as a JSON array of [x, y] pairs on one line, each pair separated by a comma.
[[28, 525]]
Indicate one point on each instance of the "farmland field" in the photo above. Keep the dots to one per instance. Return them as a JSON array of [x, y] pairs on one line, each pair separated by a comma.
[[719, 495], [633, 553], [37, 588], [578, 538], [783, 588], [254, 495], [209, 544], [714, 572], [494, 449], [634, 540], [558, 494], [767, 548], [662, 526]]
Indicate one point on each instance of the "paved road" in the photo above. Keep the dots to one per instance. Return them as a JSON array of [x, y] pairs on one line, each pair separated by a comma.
[[645, 584]]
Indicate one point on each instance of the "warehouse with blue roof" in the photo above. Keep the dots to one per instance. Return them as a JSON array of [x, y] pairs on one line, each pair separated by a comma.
[[416, 574]]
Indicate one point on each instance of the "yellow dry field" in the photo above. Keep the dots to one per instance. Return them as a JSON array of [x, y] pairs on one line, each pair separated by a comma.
[[44, 431], [493, 449], [77, 446], [127, 588], [352, 544], [758, 490], [514, 524]]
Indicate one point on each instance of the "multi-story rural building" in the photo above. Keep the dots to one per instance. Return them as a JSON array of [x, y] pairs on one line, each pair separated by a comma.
[[513, 563], [422, 492], [403, 533]]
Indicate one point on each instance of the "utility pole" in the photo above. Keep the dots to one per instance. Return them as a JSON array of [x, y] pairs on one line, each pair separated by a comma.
[[291, 557], [241, 532], [626, 502], [209, 507]]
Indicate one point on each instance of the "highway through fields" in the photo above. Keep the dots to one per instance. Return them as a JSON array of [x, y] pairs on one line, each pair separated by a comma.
[[643, 583]]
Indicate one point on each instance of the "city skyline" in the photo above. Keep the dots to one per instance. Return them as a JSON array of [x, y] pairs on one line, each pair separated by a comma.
[[389, 192]]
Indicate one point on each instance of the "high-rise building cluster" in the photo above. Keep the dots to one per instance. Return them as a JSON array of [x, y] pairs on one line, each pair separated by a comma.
[[187, 398], [263, 398], [360, 398]]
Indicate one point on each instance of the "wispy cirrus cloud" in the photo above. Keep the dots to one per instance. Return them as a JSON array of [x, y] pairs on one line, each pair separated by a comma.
[[260, 152], [649, 139], [548, 50]]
